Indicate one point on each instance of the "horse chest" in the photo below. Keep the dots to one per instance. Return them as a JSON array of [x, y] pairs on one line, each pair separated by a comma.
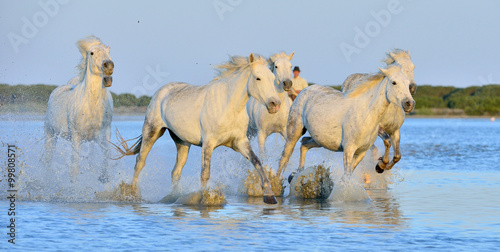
[[88, 119]]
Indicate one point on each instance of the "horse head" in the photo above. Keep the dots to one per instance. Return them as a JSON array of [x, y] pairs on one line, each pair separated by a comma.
[[397, 88], [95, 56], [261, 84], [282, 68], [403, 58]]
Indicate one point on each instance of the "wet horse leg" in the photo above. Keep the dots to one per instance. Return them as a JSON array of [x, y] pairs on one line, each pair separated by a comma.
[[75, 155], [206, 154], [397, 152], [243, 147], [261, 138], [104, 145], [294, 131], [50, 145], [182, 155], [307, 143], [383, 161], [150, 133]]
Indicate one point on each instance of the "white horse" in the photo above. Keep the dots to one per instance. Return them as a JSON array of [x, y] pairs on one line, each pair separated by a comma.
[[82, 109], [394, 116], [208, 116], [262, 123], [345, 122]]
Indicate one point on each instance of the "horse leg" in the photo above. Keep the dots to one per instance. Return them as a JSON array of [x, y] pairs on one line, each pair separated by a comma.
[[357, 159], [294, 131], [182, 155], [104, 145], [243, 147], [50, 145], [261, 138], [150, 133], [206, 155], [75, 157], [307, 143], [397, 152], [383, 161]]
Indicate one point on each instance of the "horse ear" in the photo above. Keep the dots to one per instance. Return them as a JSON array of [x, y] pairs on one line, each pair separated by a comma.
[[408, 52], [384, 71], [392, 55], [291, 55], [108, 48], [251, 58]]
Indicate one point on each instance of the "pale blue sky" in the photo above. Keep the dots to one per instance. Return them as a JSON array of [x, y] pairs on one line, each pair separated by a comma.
[[451, 42]]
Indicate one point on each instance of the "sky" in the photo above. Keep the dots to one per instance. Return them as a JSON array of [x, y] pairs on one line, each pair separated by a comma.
[[452, 43]]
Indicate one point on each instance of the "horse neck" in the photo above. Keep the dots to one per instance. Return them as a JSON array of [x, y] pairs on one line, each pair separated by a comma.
[[237, 91], [91, 86], [377, 101]]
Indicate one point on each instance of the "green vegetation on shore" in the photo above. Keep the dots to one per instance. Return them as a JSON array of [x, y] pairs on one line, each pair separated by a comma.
[[431, 100]]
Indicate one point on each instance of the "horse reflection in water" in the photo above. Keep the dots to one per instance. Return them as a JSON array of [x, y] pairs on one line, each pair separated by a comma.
[[82, 109], [208, 116]]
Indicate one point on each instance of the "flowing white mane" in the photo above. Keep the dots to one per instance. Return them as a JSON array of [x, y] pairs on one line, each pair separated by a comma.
[[373, 80], [83, 46], [395, 55], [235, 64]]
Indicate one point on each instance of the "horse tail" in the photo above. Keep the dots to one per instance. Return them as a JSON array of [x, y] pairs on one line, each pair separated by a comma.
[[123, 148]]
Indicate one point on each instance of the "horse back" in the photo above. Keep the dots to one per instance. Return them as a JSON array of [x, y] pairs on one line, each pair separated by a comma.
[[352, 80]]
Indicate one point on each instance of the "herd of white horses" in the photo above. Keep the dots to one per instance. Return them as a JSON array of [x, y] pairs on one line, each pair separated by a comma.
[[248, 98]]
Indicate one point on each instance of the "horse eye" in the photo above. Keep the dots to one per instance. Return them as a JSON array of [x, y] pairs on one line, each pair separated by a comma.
[[394, 83], [276, 66], [91, 53], [258, 79]]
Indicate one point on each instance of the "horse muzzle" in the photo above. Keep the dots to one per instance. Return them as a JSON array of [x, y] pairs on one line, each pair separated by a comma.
[[408, 105], [287, 85], [273, 106], [106, 81], [107, 67]]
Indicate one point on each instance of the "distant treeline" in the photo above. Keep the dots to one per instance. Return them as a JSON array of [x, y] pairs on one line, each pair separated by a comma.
[[475, 100]]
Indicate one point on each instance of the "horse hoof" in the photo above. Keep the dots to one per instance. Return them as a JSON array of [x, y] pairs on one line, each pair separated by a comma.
[[270, 199], [378, 169], [291, 177]]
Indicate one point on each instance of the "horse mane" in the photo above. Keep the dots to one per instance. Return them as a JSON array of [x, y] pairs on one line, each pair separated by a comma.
[[372, 80], [83, 46], [397, 53], [235, 64]]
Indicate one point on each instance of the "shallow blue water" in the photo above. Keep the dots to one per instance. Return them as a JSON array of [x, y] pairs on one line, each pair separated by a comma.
[[445, 196]]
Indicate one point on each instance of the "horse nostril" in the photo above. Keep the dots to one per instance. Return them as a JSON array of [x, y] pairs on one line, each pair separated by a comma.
[[109, 64], [408, 104]]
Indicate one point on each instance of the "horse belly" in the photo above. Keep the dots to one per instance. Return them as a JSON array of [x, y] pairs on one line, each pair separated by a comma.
[[182, 117], [323, 120], [327, 135]]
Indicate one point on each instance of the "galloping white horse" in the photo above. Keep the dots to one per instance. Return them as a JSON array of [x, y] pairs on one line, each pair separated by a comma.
[[82, 109], [262, 121], [208, 116], [394, 116], [345, 122]]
